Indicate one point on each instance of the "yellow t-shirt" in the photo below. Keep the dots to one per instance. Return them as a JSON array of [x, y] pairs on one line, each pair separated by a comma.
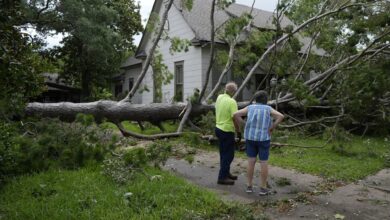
[[225, 107]]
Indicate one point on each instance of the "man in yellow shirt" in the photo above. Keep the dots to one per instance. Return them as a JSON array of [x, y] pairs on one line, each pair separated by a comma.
[[225, 107]]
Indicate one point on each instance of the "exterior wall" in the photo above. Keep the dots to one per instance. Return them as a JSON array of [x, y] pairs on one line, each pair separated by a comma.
[[133, 73], [195, 63], [192, 60]]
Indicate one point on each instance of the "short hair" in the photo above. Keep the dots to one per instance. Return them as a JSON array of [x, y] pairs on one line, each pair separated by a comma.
[[261, 97], [231, 88]]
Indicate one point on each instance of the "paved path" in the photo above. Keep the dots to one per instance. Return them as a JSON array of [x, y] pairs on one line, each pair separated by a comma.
[[299, 199]]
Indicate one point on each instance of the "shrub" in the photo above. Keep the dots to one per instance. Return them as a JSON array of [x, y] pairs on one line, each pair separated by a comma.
[[123, 166], [207, 123], [55, 144]]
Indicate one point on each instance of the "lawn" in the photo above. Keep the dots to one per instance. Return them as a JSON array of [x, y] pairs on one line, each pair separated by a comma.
[[346, 160], [87, 194], [149, 128]]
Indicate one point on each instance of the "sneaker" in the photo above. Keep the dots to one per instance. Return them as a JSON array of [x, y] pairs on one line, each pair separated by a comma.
[[225, 181], [264, 191], [232, 177], [249, 189]]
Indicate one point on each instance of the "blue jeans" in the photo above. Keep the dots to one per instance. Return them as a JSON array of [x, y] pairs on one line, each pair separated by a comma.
[[226, 152]]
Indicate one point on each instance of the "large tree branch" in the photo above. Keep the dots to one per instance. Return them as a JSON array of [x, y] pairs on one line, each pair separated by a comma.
[[313, 83], [312, 122], [211, 60], [185, 117], [229, 62], [150, 54], [284, 37], [225, 70]]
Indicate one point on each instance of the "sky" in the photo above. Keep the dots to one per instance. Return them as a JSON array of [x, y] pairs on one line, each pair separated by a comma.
[[146, 7]]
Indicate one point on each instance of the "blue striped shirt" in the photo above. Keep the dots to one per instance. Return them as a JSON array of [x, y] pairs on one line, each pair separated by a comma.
[[258, 123]]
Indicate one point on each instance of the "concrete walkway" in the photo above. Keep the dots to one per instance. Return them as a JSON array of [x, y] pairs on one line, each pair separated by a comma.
[[298, 195]]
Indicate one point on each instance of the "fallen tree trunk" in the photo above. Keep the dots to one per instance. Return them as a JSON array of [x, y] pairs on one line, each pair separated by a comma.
[[114, 111], [125, 111]]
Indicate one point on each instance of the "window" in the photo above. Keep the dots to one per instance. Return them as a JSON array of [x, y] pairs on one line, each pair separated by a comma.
[[131, 83], [261, 83], [179, 81], [118, 89]]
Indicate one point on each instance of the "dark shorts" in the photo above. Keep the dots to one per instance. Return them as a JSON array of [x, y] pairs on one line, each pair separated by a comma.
[[261, 148]]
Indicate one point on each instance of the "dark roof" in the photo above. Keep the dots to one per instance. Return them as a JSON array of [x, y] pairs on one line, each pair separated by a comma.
[[130, 62], [199, 20], [54, 82]]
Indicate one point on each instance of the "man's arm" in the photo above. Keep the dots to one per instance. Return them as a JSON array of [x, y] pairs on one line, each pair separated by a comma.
[[278, 118], [237, 118]]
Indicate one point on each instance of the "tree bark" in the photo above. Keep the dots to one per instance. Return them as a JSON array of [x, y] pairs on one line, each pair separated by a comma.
[[114, 111], [211, 60]]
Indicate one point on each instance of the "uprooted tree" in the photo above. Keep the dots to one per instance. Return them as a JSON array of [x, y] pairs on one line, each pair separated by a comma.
[[350, 80]]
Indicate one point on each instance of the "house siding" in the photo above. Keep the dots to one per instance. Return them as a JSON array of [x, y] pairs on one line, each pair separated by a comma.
[[132, 72], [192, 60]]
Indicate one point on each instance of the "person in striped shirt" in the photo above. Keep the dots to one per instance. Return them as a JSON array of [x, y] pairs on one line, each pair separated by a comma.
[[257, 134]]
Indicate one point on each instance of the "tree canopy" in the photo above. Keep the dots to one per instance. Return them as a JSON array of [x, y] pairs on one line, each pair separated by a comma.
[[98, 36]]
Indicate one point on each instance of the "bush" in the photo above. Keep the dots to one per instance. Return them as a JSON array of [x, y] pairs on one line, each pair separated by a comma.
[[207, 123], [55, 144], [123, 166]]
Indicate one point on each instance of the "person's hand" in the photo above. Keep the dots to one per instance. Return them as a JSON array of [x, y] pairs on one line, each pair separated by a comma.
[[270, 130], [238, 137]]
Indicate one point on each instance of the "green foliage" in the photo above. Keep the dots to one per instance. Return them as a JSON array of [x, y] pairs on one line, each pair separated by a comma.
[[285, 61], [301, 92], [188, 4], [251, 51], [192, 139], [178, 45], [387, 158], [161, 76], [207, 122], [359, 86], [86, 120], [361, 90], [56, 144], [233, 28], [122, 167], [336, 134], [158, 152], [20, 62], [224, 3], [98, 35], [100, 93]]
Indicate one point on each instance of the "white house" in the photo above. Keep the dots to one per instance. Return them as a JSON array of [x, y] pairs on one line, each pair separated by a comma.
[[189, 68]]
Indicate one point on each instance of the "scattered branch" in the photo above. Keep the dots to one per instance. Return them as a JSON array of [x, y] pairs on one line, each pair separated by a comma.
[[128, 133], [312, 122], [378, 188]]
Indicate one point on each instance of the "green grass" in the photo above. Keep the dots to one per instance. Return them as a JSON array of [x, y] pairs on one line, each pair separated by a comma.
[[149, 128], [87, 194], [354, 160]]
